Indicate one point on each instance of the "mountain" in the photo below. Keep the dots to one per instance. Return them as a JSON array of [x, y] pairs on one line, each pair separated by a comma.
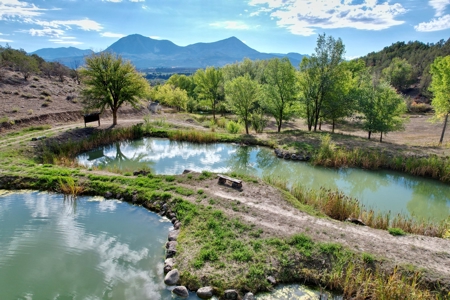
[[52, 54], [145, 52]]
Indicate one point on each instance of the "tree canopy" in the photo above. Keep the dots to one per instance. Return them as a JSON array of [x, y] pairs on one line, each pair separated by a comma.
[[209, 86], [440, 86], [110, 82]]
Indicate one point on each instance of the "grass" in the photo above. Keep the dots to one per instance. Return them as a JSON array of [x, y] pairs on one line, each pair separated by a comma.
[[396, 231]]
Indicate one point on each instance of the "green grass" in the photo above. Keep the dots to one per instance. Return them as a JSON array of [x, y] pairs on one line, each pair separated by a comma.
[[396, 231]]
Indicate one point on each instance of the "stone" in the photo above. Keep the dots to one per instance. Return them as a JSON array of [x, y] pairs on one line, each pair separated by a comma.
[[177, 225], [181, 291], [230, 295], [168, 265], [118, 196], [356, 221], [271, 280], [173, 220], [134, 198], [172, 278], [287, 156], [171, 244], [205, 292], [108, 195], [249, 296], [171, 215], [187, 171], [173, 235]]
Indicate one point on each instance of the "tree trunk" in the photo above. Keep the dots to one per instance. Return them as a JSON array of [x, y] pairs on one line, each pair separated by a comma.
[[279, 126], [320, 124], [370, 132], [246, 127], [114, 112], [332, 130], [381, 137], [443, 129]]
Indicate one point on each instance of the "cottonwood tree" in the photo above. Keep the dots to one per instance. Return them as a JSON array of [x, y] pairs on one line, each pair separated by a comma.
[[110, 82], [280, 91], [209, 87], [381, 106], [440, 86], [319, 73], [171, 96], [241, 94]]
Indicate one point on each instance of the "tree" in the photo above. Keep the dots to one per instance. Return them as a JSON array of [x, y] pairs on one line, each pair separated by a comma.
[[170, 95], [399, 73], [110, 82], [209, 86], [440, 86], [319, 73], [241, 94], [381, 106], [280, 92]]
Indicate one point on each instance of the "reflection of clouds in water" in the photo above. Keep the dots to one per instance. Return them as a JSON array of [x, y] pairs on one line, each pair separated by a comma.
[[116, 261], [5, 203], [108, 205]]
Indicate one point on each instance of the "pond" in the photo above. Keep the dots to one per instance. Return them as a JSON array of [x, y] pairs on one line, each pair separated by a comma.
[[381, 190], [56, 248]]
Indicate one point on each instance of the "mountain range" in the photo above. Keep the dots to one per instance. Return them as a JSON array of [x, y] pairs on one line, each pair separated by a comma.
[[145, 52]]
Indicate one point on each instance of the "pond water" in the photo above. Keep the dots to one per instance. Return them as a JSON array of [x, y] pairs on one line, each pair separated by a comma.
[[56, 248], [380, 190]]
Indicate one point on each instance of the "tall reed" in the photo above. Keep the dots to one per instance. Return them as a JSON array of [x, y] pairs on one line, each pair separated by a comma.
[[193, 136]]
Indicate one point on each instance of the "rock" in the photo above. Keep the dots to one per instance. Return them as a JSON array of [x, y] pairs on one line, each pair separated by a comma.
[[249, 296], [294, 156], [134, 198], [177, 225], [181, 291], [356, 221], [174, 220], [230, 295], [118, 196], [168, 265], [187, 171], [173, 235], [172, 278], [287, 156], [171, 244], [171, 215], [164, 207], [171, 253], [271, 280], [205, 292], [108, 195]]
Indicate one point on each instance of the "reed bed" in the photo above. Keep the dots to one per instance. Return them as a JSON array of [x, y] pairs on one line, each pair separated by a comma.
[[193, 136], [329, 155], [340, 207]]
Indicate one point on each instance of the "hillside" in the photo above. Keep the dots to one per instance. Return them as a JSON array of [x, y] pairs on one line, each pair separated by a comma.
[[418, 54]]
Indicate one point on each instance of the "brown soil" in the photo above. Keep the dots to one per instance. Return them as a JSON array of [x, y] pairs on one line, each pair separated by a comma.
[[267, 208]]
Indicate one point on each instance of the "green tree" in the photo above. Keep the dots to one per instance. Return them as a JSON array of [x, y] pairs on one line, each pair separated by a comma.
[[183, 82], [241, 94], [319, 73], [399, 73], [109, 82], [280, 91], [209, 87], [440, 86], [171, 96], [381, 106]]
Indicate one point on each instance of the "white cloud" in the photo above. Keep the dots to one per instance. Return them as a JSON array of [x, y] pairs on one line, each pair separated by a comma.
[[236, 25], [18, 9], [50, 32], [439, 6], [112, 35], [115, 1], [65, 42], [303, 17], [137, 0], [5, 41], [435, 24]]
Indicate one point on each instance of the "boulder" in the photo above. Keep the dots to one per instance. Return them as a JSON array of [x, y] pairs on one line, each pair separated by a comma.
[[230, 295], [187, 171], [177, 225], [168, 265], [108, 195], [249, 296], [205, 292], [173, 235], [172, 278], [271, 280], [287, 156], [171, 244], [181, 291]]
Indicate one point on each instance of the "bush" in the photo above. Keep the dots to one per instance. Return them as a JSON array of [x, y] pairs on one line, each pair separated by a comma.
[[396, 231], [258, 121], [233, 127]]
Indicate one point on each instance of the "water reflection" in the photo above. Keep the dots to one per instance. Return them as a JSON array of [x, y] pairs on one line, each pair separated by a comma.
[[381, 190]]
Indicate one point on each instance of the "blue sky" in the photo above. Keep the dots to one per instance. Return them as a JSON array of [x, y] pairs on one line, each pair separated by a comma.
[[274, 26]]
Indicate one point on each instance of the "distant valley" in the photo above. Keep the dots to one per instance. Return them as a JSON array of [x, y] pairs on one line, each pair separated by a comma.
[[145, 53]]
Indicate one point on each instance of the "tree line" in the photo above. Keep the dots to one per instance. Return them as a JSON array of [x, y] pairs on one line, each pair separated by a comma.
[[324, 88]]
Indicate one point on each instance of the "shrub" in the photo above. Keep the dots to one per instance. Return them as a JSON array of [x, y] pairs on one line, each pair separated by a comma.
[[233, 127], [258, 121], [396, 231], [367, 258]]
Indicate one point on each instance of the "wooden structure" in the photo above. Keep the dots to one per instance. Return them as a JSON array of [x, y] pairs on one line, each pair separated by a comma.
[[92, 118], [235, 183]]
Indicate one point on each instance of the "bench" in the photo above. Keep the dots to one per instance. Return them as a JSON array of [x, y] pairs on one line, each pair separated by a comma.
[[235, 183], [92, 118]]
